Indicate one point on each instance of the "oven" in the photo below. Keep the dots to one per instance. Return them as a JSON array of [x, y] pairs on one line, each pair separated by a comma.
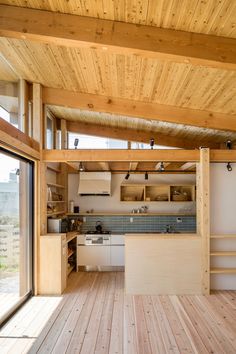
[[97, 240]]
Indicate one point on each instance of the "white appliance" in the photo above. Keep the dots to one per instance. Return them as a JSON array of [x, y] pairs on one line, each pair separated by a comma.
[[95, 183]]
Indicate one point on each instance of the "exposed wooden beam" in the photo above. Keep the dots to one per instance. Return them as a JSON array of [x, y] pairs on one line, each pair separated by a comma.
[[117, 37], [135, 135], [158, 165], [139, 109], [188, 166], [9, 89], [133, 166], [106, 155], [104, 166], [13, 137]]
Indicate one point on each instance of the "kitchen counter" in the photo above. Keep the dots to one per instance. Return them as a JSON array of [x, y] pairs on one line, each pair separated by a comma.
[[162, 263], [163, 235]]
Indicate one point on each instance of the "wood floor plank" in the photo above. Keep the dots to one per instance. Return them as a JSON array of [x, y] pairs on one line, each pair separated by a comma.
[[117, 326], [94, 315], [154, 332], [182, 340], [104, 332], [168, 338]]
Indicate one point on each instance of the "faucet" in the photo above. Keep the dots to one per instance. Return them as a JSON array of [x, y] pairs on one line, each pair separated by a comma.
[[169, 229]]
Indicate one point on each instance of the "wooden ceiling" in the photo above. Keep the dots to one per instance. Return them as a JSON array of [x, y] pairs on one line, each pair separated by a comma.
[[121, 74]]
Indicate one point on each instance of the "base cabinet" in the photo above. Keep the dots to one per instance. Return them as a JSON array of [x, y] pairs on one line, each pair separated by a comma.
[[53, 264], [94, 255], [117, 255]]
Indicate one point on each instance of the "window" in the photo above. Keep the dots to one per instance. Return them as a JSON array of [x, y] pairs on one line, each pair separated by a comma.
[[93, 142]]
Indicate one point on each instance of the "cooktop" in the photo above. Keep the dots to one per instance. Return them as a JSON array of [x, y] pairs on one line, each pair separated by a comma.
[[98, 232]]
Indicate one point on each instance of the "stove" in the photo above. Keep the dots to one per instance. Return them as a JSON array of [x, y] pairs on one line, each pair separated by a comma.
[[98, 232]]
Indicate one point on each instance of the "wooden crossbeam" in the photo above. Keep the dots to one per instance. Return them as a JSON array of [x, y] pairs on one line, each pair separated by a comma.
[[188, 166], [125, 155], [117, 37], [135, 135], [139, 109]]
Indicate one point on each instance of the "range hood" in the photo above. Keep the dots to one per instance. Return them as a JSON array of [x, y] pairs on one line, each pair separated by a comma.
[[95, 183]]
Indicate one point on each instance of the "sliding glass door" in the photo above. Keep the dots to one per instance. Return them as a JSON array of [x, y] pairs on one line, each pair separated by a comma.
[[16, 230]]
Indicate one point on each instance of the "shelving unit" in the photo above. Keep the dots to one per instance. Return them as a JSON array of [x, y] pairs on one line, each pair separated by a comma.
[[71, 252], [157, 193], [56, 177], [224, 255]]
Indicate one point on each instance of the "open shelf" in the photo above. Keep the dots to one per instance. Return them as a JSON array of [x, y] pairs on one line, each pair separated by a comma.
[[223, 236], [70, 253], [57, 170], [223, 253], [69, 270], [223, 271], [57, 213], [56, 185]]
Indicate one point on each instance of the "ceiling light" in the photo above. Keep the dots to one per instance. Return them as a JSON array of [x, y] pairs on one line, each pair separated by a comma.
[[76, 142], [127, 176], [81, 167], [162, 167], [146, 175], [152, 142], [229, 167]]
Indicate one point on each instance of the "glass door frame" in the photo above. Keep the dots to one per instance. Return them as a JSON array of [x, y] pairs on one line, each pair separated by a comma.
[[32, 231]]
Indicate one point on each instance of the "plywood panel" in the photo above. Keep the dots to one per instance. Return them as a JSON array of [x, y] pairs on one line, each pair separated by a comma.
[[162, 264], [93, 71]]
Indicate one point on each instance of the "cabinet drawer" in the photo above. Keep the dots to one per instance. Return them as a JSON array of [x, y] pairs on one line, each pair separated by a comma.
[[94, 255]]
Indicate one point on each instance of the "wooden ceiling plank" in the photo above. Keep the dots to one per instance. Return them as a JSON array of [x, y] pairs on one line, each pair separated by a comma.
[[147, 41], [104, 166], [135, 135], [139, 109], [133, 166]]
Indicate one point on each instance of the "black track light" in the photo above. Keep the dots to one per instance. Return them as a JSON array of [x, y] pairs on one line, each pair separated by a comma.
[[146, 175], [81, 167], [162, 167], [127, 176], [76, 142], [152, 142], [229, 167], [228, 144]]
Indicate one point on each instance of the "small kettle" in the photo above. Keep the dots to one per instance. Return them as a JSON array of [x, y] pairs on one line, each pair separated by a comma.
[[98, 226]]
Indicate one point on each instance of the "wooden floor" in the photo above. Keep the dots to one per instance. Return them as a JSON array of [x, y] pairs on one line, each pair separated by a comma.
[[94, 316]]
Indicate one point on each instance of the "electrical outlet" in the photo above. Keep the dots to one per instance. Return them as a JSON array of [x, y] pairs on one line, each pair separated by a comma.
[[84, 218], [178, 220], [131, 219]]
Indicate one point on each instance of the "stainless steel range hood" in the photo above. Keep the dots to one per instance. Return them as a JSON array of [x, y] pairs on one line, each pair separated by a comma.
[[95, 183]]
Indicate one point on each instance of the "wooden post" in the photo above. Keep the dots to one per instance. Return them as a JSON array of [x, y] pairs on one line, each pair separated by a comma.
[[64, 142], [23, 106], [204, 211], [37, 114]]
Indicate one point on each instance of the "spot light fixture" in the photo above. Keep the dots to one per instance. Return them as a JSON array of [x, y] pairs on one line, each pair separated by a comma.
[[76, 142], [162, 167], [127, 175], [229, 147], [146, 175], [229, 167], [81, 167], [152, 142]]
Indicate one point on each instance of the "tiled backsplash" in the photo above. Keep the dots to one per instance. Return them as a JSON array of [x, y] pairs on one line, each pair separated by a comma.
[[149, 223]]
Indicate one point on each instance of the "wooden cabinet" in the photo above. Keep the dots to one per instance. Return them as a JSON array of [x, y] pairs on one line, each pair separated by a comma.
[[157, 193], [57, 260], [53, 264]]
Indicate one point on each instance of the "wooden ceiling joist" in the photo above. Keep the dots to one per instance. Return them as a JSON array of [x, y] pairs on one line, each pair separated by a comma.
[[133, 166], [188, 166], [139, 109], [135, 135], [147, 41]]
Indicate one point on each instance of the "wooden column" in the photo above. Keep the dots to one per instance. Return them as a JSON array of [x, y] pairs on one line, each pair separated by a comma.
[[204, 210], [37, 129], [23, 106], [64, 142]]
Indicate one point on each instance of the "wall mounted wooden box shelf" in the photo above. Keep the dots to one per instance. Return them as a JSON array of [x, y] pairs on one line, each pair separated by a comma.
[[157, 193]]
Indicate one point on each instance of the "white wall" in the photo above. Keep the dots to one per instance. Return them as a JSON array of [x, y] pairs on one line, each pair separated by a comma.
[[223, 221], [113, 204]]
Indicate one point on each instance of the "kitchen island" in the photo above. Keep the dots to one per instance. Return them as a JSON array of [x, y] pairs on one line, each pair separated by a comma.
[[158, 263]]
